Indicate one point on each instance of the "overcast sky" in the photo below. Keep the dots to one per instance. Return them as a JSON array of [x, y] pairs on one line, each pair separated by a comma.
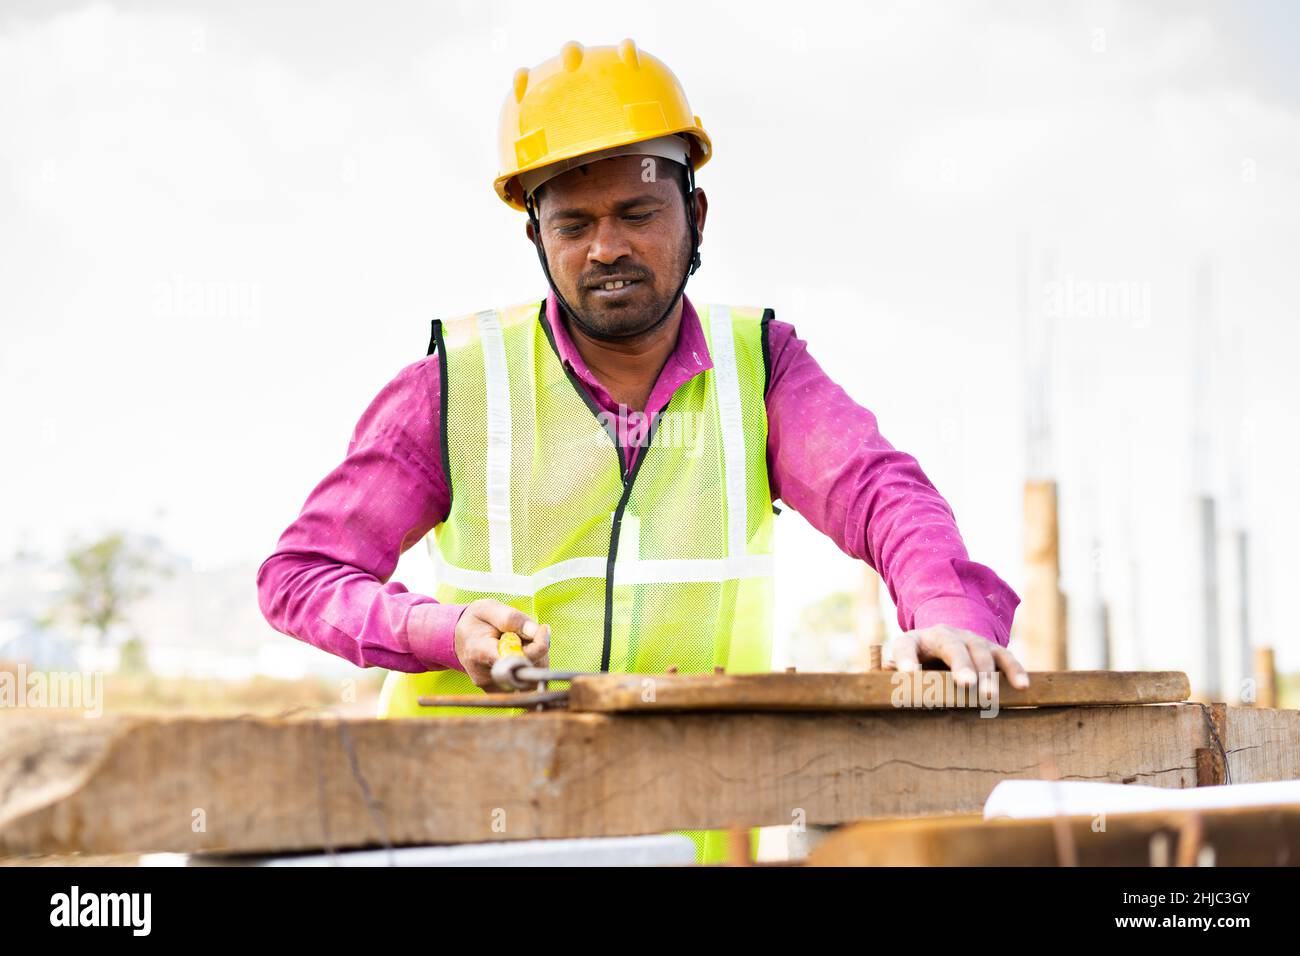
[[224, 226]]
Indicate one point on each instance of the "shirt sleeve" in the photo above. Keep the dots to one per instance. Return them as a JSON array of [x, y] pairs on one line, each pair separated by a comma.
[[828, 461], [327, 583]]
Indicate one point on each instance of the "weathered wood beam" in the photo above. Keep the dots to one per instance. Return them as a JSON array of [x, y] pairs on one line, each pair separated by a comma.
[[123, 784], [875, 690]]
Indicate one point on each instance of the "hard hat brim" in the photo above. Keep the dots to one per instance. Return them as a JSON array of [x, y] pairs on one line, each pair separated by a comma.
[[511, 192]]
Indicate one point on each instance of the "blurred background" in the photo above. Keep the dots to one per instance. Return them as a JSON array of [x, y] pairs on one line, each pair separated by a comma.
[[1051, 246]]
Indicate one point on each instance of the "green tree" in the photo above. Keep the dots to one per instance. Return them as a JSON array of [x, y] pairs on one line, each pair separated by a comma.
[[107, 575]]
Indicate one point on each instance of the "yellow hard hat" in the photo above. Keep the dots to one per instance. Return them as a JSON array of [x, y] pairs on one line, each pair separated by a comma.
[[588, 99]]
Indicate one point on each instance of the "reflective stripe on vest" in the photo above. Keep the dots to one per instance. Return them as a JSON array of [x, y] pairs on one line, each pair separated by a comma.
[[669, 563]]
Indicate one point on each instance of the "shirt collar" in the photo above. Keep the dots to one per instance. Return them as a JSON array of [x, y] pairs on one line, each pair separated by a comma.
[[689, 357]]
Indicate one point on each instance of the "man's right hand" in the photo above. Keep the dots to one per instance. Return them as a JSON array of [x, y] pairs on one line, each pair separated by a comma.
[[482, 625]]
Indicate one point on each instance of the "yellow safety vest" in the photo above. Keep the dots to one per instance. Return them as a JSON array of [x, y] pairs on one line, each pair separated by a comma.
[[635, 571]]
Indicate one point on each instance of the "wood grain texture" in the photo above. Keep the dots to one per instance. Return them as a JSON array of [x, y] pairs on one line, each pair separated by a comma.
[[1262, 745], [874, 690], [1239, 836], [121, 784]]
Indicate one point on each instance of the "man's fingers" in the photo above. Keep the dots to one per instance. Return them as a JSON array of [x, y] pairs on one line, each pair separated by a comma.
[[1014, 670], [903, 651], [966, 654], [981, 655], [957, 656], [506, 618], [479, 632], [535, 638], [538, 648], [481, 650]]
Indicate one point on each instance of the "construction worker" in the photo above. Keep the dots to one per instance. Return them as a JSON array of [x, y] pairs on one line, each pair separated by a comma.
[[599, 467]]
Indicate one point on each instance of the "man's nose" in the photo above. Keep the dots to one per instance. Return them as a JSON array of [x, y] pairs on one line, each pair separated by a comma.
[[608, 242]]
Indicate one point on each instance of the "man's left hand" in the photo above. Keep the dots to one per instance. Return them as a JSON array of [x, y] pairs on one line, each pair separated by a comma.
[[965, 653]]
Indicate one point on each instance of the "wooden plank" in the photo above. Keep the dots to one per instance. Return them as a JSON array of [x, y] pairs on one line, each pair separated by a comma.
[[1041, 643], [875, 690], [1238, 836], [1262, 745], [127, 784], [1265, 678]]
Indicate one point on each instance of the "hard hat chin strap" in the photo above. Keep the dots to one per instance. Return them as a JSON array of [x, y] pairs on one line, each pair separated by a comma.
[[530, 206]]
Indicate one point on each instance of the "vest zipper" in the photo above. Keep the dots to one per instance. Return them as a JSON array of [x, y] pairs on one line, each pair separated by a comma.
[[616, 525]]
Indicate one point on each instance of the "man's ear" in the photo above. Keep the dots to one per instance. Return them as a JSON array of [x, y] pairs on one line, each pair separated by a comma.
[[528, 231], [701, 212]]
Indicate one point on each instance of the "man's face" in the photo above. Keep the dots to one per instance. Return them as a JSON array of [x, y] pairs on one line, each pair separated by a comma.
[[617, 220]]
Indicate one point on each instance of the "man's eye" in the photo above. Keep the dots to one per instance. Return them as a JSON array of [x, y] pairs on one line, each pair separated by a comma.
[[638, 217], [569, 232]]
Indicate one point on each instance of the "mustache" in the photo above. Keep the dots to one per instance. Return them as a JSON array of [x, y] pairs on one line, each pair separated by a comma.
[[622, 272]]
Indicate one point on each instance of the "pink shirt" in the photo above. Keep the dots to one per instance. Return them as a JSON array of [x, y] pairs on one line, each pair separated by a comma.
[[328, 581]]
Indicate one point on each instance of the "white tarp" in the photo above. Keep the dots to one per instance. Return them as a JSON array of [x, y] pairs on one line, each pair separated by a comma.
[[1024, 799]]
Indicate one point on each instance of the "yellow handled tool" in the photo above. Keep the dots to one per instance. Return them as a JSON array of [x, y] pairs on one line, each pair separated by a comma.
[[514, 673], [510, 645]]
